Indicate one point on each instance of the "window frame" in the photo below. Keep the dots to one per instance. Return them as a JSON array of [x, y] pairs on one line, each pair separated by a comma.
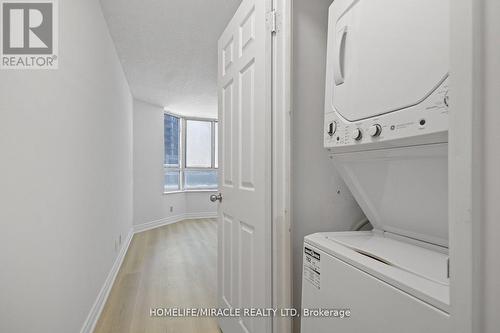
[[182, 152]]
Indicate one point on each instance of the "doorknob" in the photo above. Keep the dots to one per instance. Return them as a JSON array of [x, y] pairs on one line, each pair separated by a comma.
[[216, 197]]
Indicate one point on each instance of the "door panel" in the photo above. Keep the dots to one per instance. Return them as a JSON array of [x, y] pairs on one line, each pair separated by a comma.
[[246, 116], [226, 121], [244, 82], [227, 260]]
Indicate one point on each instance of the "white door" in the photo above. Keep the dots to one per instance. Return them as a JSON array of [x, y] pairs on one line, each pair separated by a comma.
[[244, 226]]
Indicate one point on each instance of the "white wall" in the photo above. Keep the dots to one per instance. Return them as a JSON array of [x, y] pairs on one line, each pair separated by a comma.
[[199, 204], [65, 177], [490, 171], [150, 204], [316, 205], [148, 163]]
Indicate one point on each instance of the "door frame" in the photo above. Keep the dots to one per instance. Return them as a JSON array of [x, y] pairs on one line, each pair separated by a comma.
[[281, 142], [466, 162]]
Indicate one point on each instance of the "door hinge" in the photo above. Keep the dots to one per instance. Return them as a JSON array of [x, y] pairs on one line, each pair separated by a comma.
[[272, 21]]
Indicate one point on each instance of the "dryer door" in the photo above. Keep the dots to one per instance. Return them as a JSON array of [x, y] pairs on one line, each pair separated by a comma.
[[386, 55]]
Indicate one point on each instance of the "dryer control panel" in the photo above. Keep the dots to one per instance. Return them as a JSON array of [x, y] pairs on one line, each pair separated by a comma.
[[427, 120]]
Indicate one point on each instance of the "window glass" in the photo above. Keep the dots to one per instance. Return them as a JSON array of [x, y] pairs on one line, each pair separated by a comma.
[[198, 144], [200, 179], [172, 141], [172, 181]]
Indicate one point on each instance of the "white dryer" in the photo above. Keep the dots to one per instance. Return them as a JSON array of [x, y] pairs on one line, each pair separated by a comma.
[[387, 73], [386, 130]]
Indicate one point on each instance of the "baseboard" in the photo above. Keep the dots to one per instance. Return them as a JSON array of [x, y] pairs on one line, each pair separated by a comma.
[[95, 312], [172, 219], [194, 216]]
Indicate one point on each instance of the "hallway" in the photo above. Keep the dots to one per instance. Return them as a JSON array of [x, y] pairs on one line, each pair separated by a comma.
[[171, 266]]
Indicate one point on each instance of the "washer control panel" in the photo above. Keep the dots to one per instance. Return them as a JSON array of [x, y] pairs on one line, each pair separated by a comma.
[[426, 118]]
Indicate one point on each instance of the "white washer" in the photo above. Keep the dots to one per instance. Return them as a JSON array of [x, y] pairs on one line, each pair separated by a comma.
[[386, 129], [388, 285]]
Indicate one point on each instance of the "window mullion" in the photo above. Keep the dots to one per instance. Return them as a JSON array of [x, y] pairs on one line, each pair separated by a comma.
[[183, 152]]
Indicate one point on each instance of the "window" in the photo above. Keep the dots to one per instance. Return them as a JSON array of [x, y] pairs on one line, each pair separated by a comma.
[[190, 154], [198, 144], [172, 141], [172, 153]]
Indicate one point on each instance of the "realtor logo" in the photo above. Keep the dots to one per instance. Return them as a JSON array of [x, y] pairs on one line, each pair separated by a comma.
[[29, 34]]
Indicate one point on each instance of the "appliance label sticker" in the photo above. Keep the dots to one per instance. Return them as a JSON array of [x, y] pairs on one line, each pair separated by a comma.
[[312, 267]]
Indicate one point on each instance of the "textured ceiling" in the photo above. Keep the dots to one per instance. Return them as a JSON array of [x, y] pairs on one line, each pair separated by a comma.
[[168, 49]]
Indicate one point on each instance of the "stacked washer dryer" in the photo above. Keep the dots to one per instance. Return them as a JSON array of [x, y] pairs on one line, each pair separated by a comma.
[[386, 129]]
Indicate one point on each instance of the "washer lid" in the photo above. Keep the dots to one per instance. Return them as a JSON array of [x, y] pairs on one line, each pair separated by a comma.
[[402, 190], [416, 270], [426, 263], [386, 55]]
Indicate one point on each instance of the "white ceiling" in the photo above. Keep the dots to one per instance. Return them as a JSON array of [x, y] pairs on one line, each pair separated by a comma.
[[168, 49]]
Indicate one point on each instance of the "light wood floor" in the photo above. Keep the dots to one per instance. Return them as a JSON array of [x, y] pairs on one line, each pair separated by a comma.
[[171, 266]]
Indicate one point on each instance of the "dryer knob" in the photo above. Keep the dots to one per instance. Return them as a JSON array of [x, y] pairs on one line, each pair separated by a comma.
[[356, 134], [375, 130]]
